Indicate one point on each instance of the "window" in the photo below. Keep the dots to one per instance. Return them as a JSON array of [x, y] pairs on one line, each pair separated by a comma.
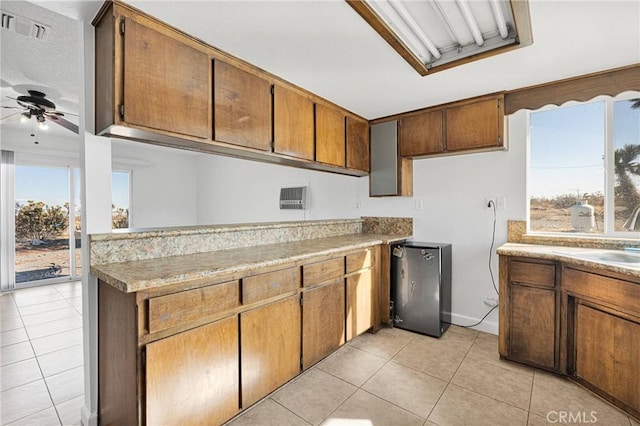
[[120, 205], [584, 168]]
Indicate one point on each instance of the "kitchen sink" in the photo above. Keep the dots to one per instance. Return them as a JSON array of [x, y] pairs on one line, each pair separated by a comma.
[[607, 256]]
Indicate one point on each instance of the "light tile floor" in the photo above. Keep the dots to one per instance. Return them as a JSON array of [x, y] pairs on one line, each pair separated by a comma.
[[41, 372], [396, 377], [390, 378]]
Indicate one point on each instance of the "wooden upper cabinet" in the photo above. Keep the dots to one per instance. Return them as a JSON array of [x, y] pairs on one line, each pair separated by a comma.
[[293, 122], [167, 84], [330, 135], [357, 144], [421, 134], [242, 107], [475, 125]]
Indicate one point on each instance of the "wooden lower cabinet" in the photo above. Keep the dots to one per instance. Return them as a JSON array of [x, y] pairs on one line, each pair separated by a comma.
[[360, 303], [192, 377], [529, 312], [270, 347], [322, 322], [574, 320], [607, 348], [200, 352], [533, 321]]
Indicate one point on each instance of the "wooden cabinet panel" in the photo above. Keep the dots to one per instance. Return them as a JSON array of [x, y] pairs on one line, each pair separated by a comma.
[[621, 293], [167, 84], [532, 273], [361, 260], [270, 341], [607, 350], [330, 136], [474, 125], [242, 107], [322, 322], [319, 272], [173, 309], [118, 360], [264, 286], [421, 134], [532, 326], [293, 124], [357, 144], [360, 303], [192, 377]]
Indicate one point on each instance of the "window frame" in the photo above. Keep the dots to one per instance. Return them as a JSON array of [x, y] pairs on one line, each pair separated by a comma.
[[609, 168]]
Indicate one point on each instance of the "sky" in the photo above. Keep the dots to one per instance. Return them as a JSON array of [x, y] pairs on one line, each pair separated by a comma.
[[567, 147]]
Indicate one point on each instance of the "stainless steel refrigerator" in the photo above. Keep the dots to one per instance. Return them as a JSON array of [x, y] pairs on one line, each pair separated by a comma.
[[421, 287]]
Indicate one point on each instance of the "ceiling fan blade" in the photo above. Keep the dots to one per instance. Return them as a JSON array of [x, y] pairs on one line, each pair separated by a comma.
[[9, 116], [64, 123]]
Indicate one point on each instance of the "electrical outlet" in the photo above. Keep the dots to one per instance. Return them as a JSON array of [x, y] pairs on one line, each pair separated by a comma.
[[491, 301], [419, 205], [502, 203], [358, 205]]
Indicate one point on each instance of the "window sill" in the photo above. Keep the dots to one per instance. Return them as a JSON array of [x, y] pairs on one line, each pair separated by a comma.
[[517, 234]]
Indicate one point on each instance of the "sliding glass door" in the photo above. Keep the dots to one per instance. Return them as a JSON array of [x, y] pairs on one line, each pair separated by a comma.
[[47, 224]]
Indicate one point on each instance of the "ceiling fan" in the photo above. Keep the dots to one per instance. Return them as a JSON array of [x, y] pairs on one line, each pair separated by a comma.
[[35, 104]]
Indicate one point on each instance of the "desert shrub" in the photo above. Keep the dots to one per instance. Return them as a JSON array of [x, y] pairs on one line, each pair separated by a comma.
[[37, 221], [120, 218]]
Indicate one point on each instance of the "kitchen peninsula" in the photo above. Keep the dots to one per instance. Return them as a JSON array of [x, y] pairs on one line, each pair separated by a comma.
[[196, 324]]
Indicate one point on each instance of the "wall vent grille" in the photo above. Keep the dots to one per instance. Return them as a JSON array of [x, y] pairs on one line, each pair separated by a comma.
[[24, 26], [293, 198]]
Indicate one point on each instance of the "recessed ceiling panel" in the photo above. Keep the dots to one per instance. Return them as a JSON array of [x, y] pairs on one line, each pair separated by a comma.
[[433, 33]]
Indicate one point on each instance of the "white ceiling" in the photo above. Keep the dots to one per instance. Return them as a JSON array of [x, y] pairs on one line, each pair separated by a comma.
[[325, 47]]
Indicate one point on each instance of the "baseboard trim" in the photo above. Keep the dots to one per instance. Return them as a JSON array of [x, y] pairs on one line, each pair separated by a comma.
[[488, 326]]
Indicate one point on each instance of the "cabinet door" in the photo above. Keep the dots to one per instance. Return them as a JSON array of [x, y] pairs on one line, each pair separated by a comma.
[[270, 341], [293, 124], [357, 144], [330, 136], [360, 303], [607, 349], [474, 125], [242, 107], [167, 83], [532, 323], [322, 322], [192, 377], [421, 134]]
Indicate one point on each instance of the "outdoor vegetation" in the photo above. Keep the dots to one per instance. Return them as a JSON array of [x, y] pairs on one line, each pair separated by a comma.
[[554, 214]]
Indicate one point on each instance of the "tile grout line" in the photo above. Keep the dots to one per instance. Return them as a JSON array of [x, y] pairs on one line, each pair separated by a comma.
[[41, 372]]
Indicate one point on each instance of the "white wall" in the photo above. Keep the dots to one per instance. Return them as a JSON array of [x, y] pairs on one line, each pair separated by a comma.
[[240, 191], [453, 190], [164, 183]]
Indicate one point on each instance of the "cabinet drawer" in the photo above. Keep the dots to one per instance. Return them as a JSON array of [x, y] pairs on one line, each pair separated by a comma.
[[316, 273], [604, 289], [191, 305], [541, 274], [264, 286], [362, 260]]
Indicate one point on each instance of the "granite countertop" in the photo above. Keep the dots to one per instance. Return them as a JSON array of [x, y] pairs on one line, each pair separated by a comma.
[[571, 255], [145, 274]]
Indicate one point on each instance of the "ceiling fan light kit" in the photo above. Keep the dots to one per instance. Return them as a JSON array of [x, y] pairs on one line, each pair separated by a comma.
[[37, 105]]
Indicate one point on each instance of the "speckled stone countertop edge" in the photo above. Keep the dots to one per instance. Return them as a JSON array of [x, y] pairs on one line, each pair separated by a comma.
[[140, 233], [133, 285], [564, 254]]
